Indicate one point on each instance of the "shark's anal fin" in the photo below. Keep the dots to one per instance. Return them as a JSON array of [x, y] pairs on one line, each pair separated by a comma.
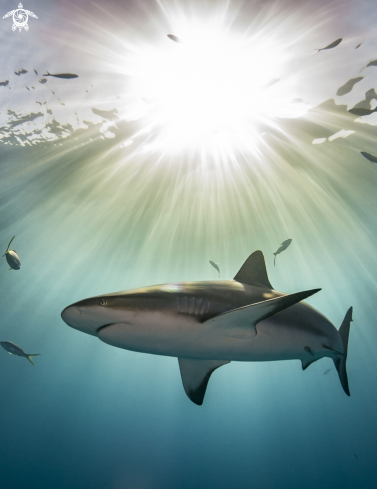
[[253, 271], [195, 376], [308, 361], [241, 322]]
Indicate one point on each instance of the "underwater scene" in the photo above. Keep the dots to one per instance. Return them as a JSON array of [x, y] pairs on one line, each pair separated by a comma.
[[188, 224]]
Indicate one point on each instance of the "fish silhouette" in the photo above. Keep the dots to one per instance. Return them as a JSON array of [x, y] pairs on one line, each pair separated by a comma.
[[215, 265], [174, 38], [62, 75], [369, 157], [332, 45], [282, 247]]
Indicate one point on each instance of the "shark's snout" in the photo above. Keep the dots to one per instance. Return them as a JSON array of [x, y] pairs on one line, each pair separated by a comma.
[[71, 316], [76, 318]]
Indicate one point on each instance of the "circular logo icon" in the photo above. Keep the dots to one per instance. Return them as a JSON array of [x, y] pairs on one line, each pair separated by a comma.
[[20, 18]]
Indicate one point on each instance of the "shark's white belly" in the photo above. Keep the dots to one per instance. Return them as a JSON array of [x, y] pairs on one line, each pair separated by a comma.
[[184, 336]]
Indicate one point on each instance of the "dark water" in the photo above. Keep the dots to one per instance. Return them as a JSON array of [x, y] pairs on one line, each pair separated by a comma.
[[102, 200]]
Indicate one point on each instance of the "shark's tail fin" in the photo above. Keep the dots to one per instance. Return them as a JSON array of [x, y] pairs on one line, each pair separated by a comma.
[[340, 361], [33, 355]]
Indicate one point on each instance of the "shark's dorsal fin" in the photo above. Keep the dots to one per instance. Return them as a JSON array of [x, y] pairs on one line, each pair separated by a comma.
[[253, 271], [195, 376], [240, 323]]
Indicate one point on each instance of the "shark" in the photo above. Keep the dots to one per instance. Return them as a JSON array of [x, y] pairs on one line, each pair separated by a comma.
[[209, 324]]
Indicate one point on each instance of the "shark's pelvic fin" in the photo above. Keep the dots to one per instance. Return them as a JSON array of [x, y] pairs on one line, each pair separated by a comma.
[[340, 361], [195, 376], [33, 355], [307, 362], [241, 322], [253, 271]]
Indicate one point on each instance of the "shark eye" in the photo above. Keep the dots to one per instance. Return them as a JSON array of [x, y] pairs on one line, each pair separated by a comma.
[[103, 302]]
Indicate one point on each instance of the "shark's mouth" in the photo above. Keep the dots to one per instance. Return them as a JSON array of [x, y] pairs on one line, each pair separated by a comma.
[[103, 327]]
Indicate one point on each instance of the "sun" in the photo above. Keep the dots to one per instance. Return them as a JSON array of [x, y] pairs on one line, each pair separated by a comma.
[[205, 88]]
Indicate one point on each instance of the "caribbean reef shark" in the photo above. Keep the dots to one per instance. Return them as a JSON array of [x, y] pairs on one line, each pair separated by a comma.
[[209, 324]]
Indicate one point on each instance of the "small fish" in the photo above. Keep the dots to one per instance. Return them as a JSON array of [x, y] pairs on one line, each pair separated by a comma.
[[13, 349], [12, 258], [327, 371], [355, 456], [369, 157], [20, 72], [282, 247], [36, 72], [372, 63], [28, 88], [215, 265], [361, 112], [357, 47], [62, 75], [43, 80], [332, 45], [4, 83], [174, 38]]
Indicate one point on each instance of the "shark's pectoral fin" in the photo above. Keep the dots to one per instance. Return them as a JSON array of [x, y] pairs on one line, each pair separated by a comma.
[[195, 376], [241, 322]]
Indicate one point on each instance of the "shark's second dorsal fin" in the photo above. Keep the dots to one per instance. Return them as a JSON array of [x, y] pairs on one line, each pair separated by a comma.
[[253, 271], [195, 376]]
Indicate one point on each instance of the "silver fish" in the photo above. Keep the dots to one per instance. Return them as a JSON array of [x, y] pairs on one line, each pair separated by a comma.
[[12, 258], [16, 350]]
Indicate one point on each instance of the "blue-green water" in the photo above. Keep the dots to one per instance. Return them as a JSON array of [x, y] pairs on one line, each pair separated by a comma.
[[101, 201]]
